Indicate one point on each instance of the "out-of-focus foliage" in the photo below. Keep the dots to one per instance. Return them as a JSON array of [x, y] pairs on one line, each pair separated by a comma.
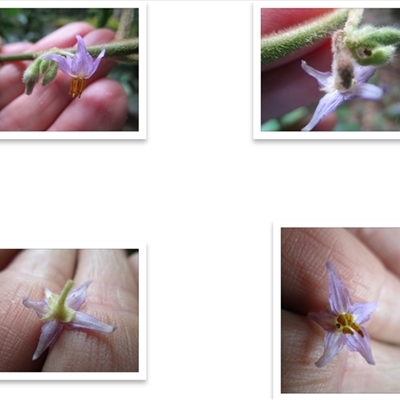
[[17, 24]]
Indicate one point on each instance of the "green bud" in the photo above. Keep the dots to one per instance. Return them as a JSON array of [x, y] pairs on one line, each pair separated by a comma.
[[50, 73], [376, 57], [31, 76], [386, 36], [44, 65]]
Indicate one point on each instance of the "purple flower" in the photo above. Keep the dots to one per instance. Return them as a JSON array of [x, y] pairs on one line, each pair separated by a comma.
[[61, 311], [80, 66], [358, 88], [341, 321]]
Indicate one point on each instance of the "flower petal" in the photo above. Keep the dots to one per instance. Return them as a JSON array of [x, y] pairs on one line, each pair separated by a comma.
[[362, 74], [361, 344], [362, 311], [40, 307], [97, 62], [86, 321], [324, 318], [333, 343], [49, 333], [339, 296], [77, 296], [366, 91], [64, 63], [324, 78], [325, 106]]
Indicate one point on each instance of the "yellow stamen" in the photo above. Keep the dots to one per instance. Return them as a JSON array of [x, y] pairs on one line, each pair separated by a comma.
[[345, 323], [76, 87]]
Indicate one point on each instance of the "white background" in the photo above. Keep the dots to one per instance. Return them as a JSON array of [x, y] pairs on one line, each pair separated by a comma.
[[203, 195]]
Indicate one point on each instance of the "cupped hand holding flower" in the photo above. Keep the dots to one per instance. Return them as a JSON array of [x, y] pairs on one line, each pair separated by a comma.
[[367, 263], [102, 107]]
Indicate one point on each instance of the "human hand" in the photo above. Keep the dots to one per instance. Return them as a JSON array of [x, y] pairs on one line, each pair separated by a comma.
[[284, 84], [103, 105], [112, 297], [368, 262]]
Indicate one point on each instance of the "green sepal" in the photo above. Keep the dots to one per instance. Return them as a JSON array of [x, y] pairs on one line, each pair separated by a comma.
[[31, 76], [50, 73], [385, 36], [58, 309], [375, 57]]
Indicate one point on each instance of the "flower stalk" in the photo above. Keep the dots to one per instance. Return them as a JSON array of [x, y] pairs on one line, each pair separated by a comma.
[[283, 43], [123, 50]]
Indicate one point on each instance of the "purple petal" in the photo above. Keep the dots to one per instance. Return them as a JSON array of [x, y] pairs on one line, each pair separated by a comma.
[[77, 296], [324, 78], [64, 63], [362, 311], [40, 307], [49, 333], [86, 321], [333, 343], [325, 106], [339, 297], [97, 62], [324, 318], [362, 74], [366, 91], [361, 344], [81, 62]]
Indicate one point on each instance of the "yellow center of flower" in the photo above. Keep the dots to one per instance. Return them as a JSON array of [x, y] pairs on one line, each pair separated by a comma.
[[58, 309], [77, 85], [345, 323]]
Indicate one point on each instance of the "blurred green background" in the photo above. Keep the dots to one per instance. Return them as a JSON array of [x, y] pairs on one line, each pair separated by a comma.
[[359, 114], [18, 24]]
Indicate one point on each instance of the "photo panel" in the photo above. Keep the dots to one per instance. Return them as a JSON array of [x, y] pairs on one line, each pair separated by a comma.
[[73, 72], [73, 314], [326, 73], [335, 323]]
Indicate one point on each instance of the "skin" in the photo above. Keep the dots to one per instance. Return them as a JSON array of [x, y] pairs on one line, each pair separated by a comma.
[[102, 106], [284, 84], [112, 297], [367, 261]]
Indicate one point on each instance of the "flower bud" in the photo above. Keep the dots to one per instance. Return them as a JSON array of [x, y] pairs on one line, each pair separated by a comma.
[[50, 73], [31, 76]]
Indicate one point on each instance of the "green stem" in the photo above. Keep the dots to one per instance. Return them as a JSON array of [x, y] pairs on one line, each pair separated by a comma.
[[282, 43], [123, 49]]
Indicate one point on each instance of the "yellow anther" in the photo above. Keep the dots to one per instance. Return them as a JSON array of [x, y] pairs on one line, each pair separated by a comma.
[[345, 323], [76, 87]]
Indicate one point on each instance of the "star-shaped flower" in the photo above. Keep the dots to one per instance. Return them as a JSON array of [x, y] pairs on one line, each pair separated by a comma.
[[79, 65], [342, 322], [61, 311], [358, 88]]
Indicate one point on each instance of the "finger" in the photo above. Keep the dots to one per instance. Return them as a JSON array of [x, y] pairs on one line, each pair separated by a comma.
[[275, 20], [20, 327], [111, 298], [134, 264], [384, 243], [302, 346], [103, 107], [6, 255], [288, 87], [11, 73], [305, 279]]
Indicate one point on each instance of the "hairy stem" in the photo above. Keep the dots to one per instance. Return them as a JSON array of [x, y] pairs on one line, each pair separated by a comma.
[[115, 50], [282, 43]]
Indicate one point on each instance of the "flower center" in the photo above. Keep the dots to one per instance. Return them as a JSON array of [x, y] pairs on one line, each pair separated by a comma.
[[58, 309], [345, 323], [77, 85]]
